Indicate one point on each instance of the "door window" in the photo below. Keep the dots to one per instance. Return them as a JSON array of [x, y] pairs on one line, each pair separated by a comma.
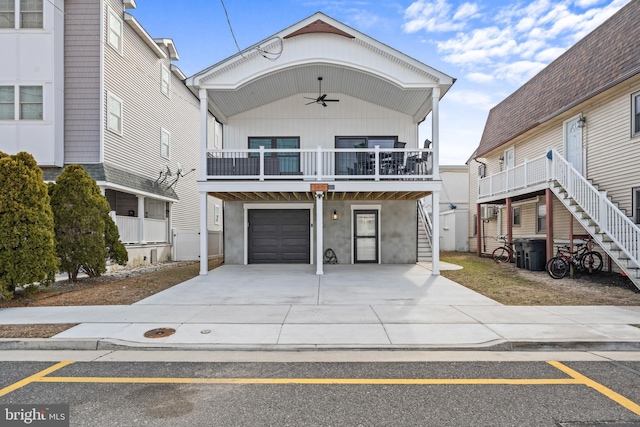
[[573, 143], [366, 236]]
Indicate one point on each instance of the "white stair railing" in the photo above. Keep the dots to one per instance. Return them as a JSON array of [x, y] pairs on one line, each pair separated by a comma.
[[426, 221], [609, 219]]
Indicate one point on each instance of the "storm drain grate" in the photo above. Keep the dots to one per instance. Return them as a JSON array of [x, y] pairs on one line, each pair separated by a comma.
[[159, 333]]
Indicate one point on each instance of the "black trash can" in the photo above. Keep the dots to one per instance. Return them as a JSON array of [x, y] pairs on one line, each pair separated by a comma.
[[535, 255], [518, 245]]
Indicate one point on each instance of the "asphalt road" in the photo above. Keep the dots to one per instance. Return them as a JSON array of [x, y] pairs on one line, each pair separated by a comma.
[[536, 393]]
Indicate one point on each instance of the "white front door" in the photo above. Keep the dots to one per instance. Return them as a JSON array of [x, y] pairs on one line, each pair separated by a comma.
[[573, 144]]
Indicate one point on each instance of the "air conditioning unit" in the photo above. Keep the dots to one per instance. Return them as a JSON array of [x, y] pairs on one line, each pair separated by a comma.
[[488, 212]]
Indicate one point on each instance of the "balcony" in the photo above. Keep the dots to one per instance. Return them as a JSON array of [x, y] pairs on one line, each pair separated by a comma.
[[155, 230], [529, 176], [370, 164]]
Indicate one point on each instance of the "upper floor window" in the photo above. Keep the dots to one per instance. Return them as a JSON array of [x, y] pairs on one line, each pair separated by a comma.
[[165, 81], [30, 102], [7, 13], [114, 113], [7, 103], [115, 31], [635, 113], [165, 141], [516, 216], [31, 14], [289, 161]]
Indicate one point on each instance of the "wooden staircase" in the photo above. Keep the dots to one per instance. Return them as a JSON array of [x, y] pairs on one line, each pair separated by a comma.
[[609, 226], [425, 253]]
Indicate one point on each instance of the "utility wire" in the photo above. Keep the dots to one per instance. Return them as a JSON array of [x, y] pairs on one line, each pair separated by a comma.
[[231, 28]]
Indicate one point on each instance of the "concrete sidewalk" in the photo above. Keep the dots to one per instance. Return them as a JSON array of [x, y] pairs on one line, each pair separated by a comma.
[[350, 307]]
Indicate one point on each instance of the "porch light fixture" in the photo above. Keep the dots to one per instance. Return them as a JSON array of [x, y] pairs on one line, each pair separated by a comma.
[[335, 215], [501, 160], [581, 121]]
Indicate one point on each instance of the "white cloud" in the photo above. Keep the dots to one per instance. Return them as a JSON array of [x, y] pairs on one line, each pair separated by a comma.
[[550, 54], [471, 98], [480, 77], [435, 16], [466, 10], [518, 72]]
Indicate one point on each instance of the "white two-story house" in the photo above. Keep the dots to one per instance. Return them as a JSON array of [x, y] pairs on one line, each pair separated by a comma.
[[320, 148], [558, 159], [82, 82]]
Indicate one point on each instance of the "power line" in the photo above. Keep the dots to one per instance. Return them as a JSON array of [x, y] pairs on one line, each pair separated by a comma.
[[231, 28]]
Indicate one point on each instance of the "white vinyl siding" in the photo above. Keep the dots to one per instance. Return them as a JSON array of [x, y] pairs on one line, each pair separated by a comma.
[[115, 32], [114, 113], [165, 143], [31, 14], [7, 13], [31, 102], [7, 102], [165, 81]]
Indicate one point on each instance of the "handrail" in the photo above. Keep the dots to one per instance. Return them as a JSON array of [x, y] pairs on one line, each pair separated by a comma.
[[613, 222], [426, 221]]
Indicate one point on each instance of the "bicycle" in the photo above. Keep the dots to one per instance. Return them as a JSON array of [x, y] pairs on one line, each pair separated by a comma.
[[503, 254], [582, 259]]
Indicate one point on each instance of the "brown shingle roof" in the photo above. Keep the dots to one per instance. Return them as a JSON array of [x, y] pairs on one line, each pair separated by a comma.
[[608, 55]]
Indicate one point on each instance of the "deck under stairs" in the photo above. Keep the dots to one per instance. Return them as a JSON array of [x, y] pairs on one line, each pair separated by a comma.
[[609, 226]]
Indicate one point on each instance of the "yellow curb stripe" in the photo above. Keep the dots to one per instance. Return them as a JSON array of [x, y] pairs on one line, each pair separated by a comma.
[[321, 381], [618, 398], [33, 378]]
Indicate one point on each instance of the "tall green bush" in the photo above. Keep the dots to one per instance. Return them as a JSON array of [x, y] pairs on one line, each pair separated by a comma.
[[27, 247], [85, 234]]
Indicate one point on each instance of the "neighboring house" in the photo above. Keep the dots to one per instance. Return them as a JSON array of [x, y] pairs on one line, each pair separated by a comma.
[[301, 173], [82, 82], [558, 159], [454, 208]]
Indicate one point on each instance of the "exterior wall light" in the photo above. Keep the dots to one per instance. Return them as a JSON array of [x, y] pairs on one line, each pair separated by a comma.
[[335, 215], [582, 121]]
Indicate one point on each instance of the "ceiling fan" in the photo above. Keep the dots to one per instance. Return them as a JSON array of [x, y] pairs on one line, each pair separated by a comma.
[[321, 99]]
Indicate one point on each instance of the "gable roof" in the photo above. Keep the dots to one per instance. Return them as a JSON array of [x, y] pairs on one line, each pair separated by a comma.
[[350, 62], [607, 56]]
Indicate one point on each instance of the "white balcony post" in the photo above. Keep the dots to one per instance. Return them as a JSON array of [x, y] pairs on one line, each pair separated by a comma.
[[141, 214], [376, 162], [435, 132], [204, 235], [319, 231], [262, 163], [319, 164], [204, 116], [525, 170]]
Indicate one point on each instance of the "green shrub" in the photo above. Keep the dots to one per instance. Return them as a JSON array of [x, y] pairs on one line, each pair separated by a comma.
[[27, 247], [85, 234]]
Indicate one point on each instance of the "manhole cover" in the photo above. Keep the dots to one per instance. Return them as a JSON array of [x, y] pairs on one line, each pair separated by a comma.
[[159, 333]]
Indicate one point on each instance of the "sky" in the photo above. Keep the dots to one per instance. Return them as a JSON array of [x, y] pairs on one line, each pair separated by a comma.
[[491, 47]]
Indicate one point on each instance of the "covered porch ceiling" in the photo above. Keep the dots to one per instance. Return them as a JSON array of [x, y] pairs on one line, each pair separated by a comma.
[[304, 196]]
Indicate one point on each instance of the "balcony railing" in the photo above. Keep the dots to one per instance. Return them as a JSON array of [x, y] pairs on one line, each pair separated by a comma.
[[155, 230], [321, 164], [529, 173]]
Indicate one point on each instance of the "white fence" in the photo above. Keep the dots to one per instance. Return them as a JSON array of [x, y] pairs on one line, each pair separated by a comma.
[[186, 245]]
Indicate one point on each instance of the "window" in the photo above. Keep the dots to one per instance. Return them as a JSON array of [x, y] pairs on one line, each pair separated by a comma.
[[30, 102], [541, 218], [114, 113], [7, 102], [636, 204], [31, 14], [7, 13], [635, 114], [475, 225], [515, 216], [165, 81], [165, 140], [482, 168], [289, 160], [346, 162], [115, 32], [216, 215]]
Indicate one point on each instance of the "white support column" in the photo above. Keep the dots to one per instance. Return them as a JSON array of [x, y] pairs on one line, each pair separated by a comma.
[[204, 116], [319, 231], [141, 214], [435, 233], [435, 131], [204, 235]]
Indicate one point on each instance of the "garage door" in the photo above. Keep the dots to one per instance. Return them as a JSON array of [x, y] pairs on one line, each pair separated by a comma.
[[279, 236]]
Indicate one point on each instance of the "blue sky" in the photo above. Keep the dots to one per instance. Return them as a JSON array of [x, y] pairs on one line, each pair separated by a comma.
[[490, 47]]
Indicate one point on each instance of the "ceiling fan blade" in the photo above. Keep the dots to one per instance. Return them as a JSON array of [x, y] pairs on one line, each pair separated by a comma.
[[330, 100], [321, 98], [312, 102], [323, 104], [306, 97]]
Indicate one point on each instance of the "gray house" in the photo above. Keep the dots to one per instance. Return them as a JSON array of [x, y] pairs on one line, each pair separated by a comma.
[[83, 82]]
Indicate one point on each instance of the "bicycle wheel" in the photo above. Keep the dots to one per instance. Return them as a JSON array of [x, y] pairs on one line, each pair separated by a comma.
[[592, 262], [557, 267], [501, 255]]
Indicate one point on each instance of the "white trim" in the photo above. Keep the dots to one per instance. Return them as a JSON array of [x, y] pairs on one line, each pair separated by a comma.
[[117, 98], [164, 132], [118, 187], [111, 14], [370, 208], [144, 36], [261, 206], [583, 157], [164, 70]]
